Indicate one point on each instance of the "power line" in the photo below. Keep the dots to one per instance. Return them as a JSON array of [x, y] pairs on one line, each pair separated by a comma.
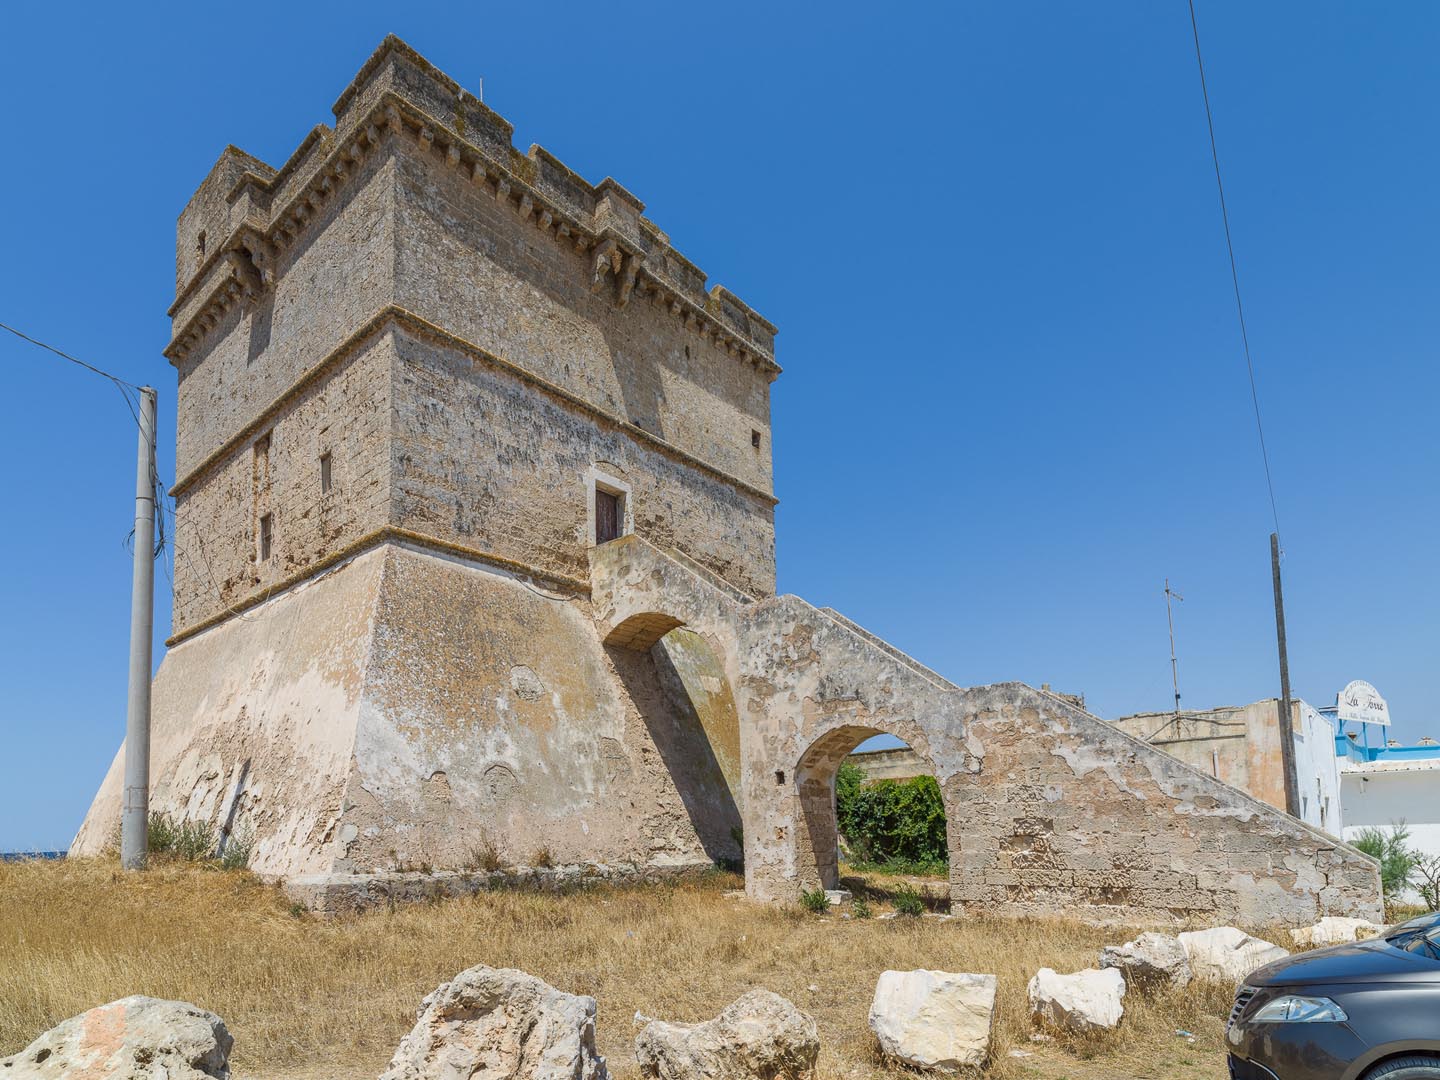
[[125, 387], [1234, 274]]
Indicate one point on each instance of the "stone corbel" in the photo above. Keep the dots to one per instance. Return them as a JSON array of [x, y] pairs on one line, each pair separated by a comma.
[[627, 279], [247, 276], [606, 260]]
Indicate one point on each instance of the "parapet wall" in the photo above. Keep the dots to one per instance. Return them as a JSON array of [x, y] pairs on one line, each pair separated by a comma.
[[399, 92]]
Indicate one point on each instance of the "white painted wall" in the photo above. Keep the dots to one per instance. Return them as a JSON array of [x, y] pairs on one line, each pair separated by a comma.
[[1317, 772], [1380, 797]]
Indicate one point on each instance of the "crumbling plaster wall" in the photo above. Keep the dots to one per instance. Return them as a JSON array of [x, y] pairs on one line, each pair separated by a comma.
[[492, 712], [1049, 808], [268, 700], [407, 709]]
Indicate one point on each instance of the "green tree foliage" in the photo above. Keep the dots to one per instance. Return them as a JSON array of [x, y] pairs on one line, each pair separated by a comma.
[[1397, 861], [891, 822]]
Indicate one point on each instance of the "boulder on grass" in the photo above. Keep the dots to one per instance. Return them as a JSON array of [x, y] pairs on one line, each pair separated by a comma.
[[1334, 930], [934, 1020], [135, 1038], [1084, 1001], [498, 1024], [1150, 962], [759, 1035], [1227, 955]]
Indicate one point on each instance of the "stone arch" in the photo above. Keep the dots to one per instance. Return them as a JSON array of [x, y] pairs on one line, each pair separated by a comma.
[[817, 833], [642, 630], [676, 679]]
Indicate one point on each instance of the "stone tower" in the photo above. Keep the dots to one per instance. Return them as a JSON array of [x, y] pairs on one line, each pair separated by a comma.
[[475, 564], [420, 374]]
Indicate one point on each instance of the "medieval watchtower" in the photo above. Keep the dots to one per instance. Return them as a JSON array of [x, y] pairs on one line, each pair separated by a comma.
[[475, 561], [421, 375]]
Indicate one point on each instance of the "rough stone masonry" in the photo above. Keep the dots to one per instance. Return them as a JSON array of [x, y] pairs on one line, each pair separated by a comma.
[[475, 553]]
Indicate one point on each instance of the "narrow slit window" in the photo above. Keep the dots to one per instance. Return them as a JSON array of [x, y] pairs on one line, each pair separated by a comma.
[[755, 438], [267, 530], [325, 475], [609, 516]]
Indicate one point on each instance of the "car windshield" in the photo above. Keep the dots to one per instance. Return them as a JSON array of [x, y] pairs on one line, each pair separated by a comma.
[[1422, 940], [1422, 922]]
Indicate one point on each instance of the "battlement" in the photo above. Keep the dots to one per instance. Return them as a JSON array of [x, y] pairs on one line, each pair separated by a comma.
[[233, 234]]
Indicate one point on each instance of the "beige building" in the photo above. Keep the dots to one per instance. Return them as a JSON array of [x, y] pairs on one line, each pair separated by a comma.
[[475, 549], [1240, 744]]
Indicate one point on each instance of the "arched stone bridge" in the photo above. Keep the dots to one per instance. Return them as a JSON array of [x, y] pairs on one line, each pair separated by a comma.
[[1048, 808]]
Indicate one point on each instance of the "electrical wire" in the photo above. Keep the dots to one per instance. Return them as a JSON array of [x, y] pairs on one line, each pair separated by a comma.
[[1234, 274], [125, 387]]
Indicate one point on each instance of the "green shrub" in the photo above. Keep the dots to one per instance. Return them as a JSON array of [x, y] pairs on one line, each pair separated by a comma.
[[894, 824], [814, 900], [188, 841], [238, 848], [909, 902], [861, 908], [1397, 862]]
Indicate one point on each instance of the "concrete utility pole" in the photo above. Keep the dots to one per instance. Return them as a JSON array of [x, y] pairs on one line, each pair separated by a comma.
[[135, 812], [1287, 728]]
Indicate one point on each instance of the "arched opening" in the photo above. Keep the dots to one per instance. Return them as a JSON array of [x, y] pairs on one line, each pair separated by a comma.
[[678, 685], [873, 814]]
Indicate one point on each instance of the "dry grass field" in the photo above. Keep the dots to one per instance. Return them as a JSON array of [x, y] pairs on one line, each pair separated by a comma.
[[311, 999]]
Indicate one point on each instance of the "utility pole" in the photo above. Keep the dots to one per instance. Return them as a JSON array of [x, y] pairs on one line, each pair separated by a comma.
[[1287, 727], [1174, 667], [135, 807]]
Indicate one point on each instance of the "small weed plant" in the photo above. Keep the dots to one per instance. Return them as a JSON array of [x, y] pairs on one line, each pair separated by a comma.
[[484, 853], [860, 908], [909, 902], [814, 901]]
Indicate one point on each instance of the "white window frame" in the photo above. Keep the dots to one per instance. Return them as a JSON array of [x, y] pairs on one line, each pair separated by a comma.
[[597, 479]]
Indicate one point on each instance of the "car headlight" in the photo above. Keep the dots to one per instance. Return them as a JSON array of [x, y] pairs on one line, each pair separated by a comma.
[[1294, 1009]]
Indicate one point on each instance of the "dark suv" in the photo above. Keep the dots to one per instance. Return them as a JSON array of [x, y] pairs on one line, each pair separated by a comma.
[[1349, 1012]]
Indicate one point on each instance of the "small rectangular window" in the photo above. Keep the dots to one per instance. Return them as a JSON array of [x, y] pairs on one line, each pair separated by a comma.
[[324, 474], [266, 535], [609, 516], [755, 438]]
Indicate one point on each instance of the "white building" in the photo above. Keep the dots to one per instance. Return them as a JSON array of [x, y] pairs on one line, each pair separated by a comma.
[[1382, 785]]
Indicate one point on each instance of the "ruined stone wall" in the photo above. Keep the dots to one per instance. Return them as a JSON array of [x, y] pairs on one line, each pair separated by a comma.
[[485, 460], [276, 471], [1048, 808], [1063, 809]]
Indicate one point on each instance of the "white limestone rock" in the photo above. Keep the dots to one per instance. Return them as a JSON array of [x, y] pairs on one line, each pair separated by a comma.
[[934, 1020], [1150, 962], [1334, 930], [1226, 954], [759, 1035], [135, 1038], [1088, 1000], [499, 1024]]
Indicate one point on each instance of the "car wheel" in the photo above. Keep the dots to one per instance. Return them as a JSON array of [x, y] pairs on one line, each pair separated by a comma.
[[1407, 1068]]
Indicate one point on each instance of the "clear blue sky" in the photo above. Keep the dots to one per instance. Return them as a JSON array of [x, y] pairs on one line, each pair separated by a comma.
[[1014, 399]]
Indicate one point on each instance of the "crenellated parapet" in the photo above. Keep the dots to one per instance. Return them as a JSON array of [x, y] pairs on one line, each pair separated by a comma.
[[235, 233]]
